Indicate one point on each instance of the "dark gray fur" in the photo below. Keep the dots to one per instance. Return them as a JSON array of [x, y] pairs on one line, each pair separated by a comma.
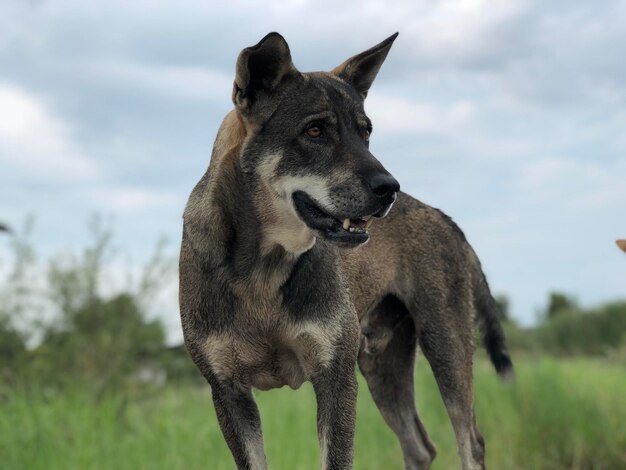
[[262, 307]]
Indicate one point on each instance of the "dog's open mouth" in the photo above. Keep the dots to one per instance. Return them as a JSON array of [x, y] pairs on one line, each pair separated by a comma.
[[351, 231]]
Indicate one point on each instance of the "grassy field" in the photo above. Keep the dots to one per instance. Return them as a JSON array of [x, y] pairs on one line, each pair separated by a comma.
[[558, 414]]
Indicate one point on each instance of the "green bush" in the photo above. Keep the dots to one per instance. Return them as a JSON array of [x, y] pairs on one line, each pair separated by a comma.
[[596, 332], [105, 342]]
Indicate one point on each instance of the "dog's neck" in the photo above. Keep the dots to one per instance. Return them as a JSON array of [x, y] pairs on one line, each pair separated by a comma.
[[223, 223]]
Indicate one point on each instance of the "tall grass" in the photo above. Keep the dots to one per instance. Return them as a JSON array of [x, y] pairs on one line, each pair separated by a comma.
[[557, 414]]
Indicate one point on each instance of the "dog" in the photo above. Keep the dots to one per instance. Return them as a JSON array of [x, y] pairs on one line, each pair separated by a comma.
[[289, 238], [621, 244]]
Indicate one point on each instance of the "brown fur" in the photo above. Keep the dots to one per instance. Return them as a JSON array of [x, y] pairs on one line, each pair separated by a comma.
[[267, 300]]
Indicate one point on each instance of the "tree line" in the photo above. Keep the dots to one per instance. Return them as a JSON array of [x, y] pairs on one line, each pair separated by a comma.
[[59, 326]]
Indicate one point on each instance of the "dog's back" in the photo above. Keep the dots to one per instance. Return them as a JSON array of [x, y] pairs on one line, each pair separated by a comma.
[[432, 263]]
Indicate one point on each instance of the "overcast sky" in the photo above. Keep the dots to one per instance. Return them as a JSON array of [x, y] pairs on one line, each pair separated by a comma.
[[510, 116]]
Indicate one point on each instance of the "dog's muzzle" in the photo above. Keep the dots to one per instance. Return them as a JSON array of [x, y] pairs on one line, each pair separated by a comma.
[[345, 229]]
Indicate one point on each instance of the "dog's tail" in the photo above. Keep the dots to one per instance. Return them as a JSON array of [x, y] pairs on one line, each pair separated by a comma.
[[488, 316]]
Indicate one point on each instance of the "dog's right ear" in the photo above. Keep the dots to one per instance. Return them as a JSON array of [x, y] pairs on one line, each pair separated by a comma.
[[621, 244], [260, 71], [361, 70]]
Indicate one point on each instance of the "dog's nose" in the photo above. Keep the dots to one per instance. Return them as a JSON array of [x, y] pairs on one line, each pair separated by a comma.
[[384, 185]]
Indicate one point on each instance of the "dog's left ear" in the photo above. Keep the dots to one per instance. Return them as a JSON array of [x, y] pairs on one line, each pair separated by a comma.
[[621, 244], [260, 70], [361, 70]]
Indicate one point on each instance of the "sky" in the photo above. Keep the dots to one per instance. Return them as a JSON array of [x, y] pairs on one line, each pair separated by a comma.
[[510, 116]]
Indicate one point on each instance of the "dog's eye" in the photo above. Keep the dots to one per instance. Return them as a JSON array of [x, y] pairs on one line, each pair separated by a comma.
[[314, 132], [366, 135]]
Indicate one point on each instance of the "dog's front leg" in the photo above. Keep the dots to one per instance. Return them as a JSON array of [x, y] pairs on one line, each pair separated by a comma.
[[240, 422], [336, 391]]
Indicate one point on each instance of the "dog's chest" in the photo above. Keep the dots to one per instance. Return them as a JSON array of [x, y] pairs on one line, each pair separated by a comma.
[[272, 351]]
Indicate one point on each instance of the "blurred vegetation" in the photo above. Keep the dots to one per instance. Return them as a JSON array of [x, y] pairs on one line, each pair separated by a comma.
[[69, 326], [567, 330], [558, 414], [87, 380], [560, 304], [80, 335]]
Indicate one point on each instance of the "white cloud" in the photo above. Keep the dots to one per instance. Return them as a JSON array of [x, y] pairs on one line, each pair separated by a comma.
[[575, 185], [35, 143], [461, 31], [396, 114], [132, 199], [12, 19], [181, 81], [507, 114]]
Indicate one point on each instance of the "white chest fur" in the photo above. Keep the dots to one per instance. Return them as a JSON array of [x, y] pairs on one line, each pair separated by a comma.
[[271, 354]]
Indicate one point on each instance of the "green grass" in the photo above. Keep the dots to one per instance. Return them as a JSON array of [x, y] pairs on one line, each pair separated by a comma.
[[557, 414]]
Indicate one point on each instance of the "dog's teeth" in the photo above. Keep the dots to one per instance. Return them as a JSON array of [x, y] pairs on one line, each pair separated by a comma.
[[352, 229], [346, 224], [369, 222]]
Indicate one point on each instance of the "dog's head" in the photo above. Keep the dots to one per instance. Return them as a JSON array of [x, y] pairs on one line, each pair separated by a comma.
[[307, 144]]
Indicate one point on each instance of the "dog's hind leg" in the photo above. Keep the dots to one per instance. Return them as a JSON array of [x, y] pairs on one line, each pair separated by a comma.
[[448, 346], [389, 376], [240, 423]]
